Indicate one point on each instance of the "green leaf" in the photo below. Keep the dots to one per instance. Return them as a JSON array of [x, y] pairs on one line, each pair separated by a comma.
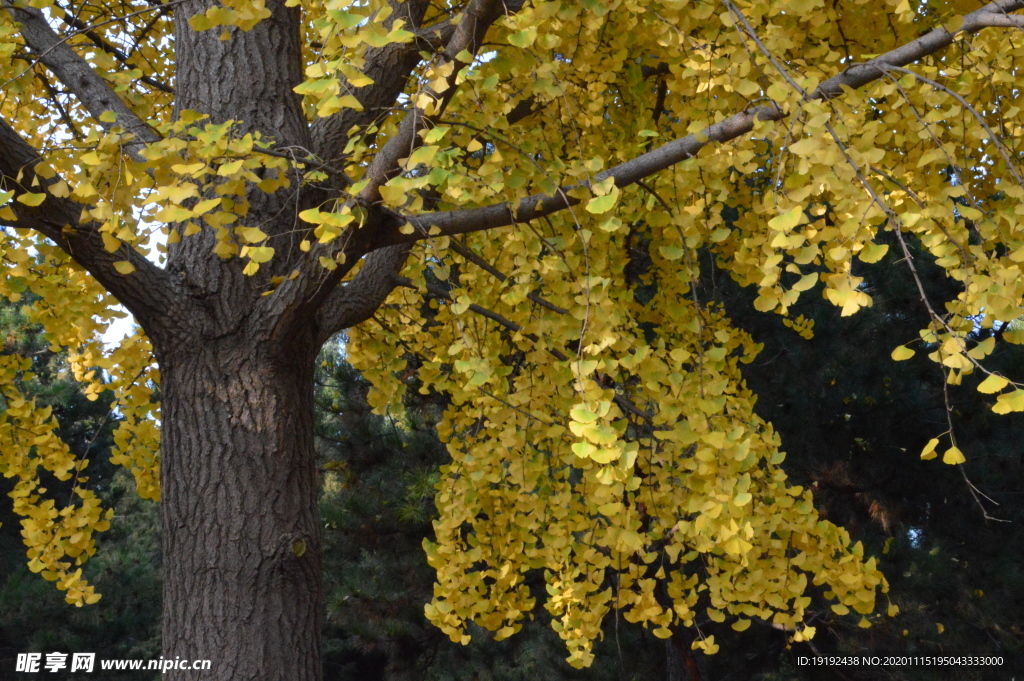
[[200, 22], [523, 38], [583, 449], [424, 154], [582, 414], [436, 134], [600, 434], [787, 220], [31, 199], [602, 204], [671, 252]]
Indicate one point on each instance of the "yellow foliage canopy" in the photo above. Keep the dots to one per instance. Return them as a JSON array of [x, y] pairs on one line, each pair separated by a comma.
[[600, 435]]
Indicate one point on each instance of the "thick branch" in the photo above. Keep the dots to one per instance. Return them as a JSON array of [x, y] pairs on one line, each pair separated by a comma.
[[148, 292], [310, 292], [356, 301], [992, 15], [539, 205], [74, 72]]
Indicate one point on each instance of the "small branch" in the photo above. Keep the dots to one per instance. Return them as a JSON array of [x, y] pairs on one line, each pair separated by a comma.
[[55, 98], [148, 292], [472, 257], [974, 112], [468, 36], [441, 293], [77, 75], [100, 42], [991, 15], [438, 292], [389, 67]]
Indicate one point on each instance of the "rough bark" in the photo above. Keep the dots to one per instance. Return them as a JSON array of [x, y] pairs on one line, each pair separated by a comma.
[[241, 532]]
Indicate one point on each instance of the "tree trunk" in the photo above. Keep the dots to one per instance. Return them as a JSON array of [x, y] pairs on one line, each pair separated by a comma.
[[241, 530], [681, 664]]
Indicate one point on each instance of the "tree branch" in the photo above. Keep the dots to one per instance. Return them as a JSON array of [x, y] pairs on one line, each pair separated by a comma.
[[101, 42], [74, 72], [356, 301], [858, 75], [148, 292], [307, 294], [467, 36], [472, 257], [539, 205]]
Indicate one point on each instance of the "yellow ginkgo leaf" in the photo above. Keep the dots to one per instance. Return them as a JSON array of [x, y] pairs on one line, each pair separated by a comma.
[[953, 456], [901, 353]]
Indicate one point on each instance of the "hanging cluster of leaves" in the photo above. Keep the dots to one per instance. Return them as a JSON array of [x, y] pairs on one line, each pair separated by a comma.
[[606, 438], [599, 425], [59, 531]]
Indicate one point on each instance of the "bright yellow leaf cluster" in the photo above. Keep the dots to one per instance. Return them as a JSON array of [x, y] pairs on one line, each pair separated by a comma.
[[599, 426]]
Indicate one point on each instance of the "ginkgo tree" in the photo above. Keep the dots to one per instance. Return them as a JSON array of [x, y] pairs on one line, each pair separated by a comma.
[[511, 201]]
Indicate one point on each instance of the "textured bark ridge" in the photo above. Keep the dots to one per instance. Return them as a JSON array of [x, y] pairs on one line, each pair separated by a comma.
[[242, 548], [241, 531]]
